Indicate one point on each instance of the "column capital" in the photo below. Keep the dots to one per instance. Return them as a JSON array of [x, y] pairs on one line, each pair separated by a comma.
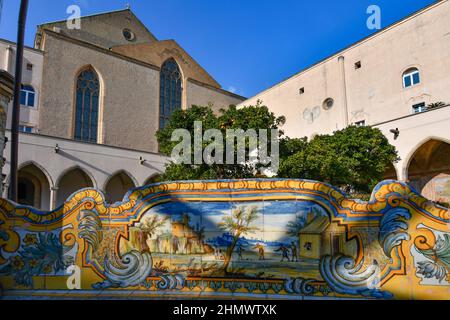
[[6, 84]]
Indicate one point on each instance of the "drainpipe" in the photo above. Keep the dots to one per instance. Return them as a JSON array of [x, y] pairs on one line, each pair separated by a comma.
[[343, 90], [16, 101]]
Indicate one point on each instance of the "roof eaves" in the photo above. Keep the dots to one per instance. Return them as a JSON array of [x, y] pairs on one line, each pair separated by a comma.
[[101, 49], [86, 16]]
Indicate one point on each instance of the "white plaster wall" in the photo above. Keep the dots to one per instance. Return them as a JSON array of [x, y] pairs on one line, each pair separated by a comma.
[[375, 92], [28, 115], [100, 162], [415, 130]]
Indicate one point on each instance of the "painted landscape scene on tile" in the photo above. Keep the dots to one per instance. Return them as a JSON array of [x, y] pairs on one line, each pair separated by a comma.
[[288, 239]]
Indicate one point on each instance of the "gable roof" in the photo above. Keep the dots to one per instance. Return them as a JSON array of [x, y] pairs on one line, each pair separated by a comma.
[[318, 225], [159, 51], [104, 29]]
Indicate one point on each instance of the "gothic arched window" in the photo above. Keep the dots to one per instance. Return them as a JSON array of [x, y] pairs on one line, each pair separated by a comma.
[[170, 91], [86, 107]]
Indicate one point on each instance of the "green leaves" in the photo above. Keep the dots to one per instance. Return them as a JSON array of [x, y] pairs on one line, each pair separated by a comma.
[[184, 119], [353, 159], [251, 117]]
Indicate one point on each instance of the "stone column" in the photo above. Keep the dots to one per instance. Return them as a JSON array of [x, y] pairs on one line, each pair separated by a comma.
[[9, 56], [6, 94], [53, 197]]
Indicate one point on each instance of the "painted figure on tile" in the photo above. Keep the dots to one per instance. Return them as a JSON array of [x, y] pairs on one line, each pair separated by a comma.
[[260, 248], [239, 251], [294, 252], [284, 253]]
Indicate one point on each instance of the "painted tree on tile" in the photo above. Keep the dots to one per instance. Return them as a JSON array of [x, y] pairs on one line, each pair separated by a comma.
[[238, 224], [149, 227]]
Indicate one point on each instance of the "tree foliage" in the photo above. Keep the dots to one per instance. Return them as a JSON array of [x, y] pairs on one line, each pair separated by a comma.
[[150, 224], [238, 223], [251, 117], [354, 159]]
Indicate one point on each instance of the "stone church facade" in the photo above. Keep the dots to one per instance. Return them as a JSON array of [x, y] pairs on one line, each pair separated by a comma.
[[128, 71], [92, 101]]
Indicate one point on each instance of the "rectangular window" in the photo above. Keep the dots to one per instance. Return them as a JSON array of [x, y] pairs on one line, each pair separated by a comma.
[[27, 95], [407, 82], [361, 123], [26, 129], [420, 107], [416, 78], [23, 98], [411, 78], [357, 65], [301, 91], [29, 66], [30, 102]]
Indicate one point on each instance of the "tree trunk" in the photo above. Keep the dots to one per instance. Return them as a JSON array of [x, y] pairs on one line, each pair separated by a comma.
[[229, 253]]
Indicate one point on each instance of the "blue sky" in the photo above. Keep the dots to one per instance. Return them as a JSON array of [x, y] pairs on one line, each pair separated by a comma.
[[246, 45], [273, 217]]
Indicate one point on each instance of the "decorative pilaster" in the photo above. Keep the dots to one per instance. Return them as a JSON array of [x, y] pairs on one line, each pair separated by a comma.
[[6, 93], [53, 197]]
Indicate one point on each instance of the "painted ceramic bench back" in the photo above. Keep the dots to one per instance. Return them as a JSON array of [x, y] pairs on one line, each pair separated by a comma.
[[288, 239]]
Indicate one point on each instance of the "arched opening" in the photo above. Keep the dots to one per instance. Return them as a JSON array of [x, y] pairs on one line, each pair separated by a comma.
[[429, 170], [27, 192], [153, 179], [411, 77], [70, 182], [117, 186], [170, 90], [33, 187], [390, 173]]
